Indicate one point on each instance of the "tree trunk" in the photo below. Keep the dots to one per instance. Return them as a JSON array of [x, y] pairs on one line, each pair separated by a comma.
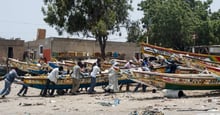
[[102, 43]]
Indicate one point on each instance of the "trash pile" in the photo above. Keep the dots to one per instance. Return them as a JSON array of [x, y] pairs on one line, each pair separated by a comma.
[[147, 112], [110, 103]]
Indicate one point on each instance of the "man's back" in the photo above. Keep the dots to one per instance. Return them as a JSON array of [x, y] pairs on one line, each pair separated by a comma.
[[95, 71], [11, 75], [76, 72], [53, 75]]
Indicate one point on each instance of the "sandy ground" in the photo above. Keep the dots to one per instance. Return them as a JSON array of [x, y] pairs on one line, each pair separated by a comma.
[[138, 103]]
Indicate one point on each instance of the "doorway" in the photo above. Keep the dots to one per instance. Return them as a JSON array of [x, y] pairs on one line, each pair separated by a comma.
[[10, 52]]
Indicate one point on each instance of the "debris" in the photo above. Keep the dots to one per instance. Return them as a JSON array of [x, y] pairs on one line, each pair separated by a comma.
[[26, 104], [56, 109], [110, 103], [105, 103], [52, 101], [167, 108], [26, 113], [152, 113], [213, 109], [147, 112], [39, 104], [134, 113], [116, 101], [209, 100], [191, 109], [5, 100], [30, 104]]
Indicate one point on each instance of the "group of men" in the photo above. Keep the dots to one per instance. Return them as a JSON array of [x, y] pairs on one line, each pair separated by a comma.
[[78, 72]]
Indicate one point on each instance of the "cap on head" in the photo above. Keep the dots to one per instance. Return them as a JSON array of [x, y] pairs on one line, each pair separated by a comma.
[[131, 61], [115, 64]]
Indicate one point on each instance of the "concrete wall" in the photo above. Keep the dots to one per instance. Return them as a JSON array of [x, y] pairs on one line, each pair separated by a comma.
[[16, 45], [79, 45]]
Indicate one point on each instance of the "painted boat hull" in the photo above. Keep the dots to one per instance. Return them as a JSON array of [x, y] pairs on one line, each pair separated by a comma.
[[203, 66], [177, 81], [3, 71], [25, 67], [40, 81], [191, 87], [156, 50]]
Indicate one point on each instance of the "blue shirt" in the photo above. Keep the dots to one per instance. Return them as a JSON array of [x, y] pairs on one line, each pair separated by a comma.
[[11, 75]]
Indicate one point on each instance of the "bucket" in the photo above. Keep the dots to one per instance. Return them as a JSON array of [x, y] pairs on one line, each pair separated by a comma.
[[173, 93]]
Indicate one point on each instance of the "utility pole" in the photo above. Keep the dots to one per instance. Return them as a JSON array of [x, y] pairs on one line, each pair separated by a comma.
[[194, 42]]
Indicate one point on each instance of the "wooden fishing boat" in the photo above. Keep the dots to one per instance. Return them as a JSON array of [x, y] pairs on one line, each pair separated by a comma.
[[66, 83], [53, 64], [179, 70], [22, 65], [213, 69], [186, 70], [156, 50], [4, 70], [104, 65], [67, 65], [31, 68], [202, 65], [177, 81], [38, 72]]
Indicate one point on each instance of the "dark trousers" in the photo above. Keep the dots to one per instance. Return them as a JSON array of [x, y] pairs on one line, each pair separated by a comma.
[[127, 86], [23, 89], [92, 85], [139, 85], [47, 86]]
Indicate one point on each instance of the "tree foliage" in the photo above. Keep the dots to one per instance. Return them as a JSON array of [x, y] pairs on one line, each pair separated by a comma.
[[134, 32], [173, 23], [97, 17]]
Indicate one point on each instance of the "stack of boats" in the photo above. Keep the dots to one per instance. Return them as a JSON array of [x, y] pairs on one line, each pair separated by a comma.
[[205, 75], [37, 79], [193, 73]]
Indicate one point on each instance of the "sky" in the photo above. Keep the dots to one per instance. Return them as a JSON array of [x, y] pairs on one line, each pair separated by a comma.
[[22, 18]]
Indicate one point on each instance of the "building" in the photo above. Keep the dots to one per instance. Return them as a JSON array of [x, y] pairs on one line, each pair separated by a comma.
[[13, 48], [70, 48]]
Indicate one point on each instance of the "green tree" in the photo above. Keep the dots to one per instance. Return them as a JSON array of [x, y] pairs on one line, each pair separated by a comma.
[[97, 17], [172, 23], [134, 32], [206, 31], [209, 31], [215, 17]]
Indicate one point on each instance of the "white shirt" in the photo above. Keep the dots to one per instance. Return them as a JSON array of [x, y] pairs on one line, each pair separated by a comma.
[[95, 71], [76, 72], [54, 75], [128, 65]]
